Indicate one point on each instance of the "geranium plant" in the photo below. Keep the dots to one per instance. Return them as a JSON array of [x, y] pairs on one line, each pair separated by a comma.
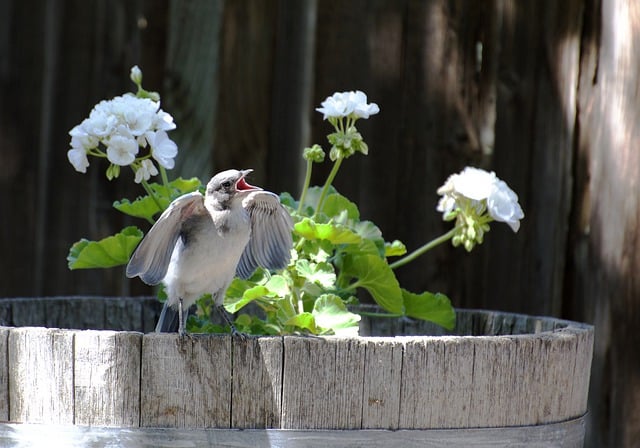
[[336, 254]]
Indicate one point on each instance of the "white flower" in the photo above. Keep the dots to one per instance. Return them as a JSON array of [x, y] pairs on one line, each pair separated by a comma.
[[474, 183], [163, 121], [343, 104], [99, 124], [122, 147], [163, 149], [81, 140], [361, 108], [503, 205], [474, 189], [78, 158], [145, 171]]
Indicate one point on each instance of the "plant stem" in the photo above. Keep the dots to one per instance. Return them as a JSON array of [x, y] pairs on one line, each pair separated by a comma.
[[163, 174], [305, 188], [327, 184], [150, 192], [422, 249]]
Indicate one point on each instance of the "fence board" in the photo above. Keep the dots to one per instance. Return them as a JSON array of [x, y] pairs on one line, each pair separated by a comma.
[[40, 375], [382, 379], [106, 375], [186, 382], [322, 383], [257, 383], [4, 374]]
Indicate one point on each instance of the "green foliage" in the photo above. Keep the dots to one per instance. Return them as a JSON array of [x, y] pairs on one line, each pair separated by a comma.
[[117, 249], [337, 258], [108, 252]]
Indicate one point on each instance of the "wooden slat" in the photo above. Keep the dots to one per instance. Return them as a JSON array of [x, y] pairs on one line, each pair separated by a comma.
[[186, 382], [41, 375], [322, 384], [257, 382], [107, 378], [4, 374], [382, 379], [569, 434]]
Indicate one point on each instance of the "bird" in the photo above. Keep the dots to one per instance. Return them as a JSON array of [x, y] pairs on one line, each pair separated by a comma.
[[200, 242]]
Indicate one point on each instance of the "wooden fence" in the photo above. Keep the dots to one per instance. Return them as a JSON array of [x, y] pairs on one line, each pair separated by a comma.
[[543, 92], [496, 371]]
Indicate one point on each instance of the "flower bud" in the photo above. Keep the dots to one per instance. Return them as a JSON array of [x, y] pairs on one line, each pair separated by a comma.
[[136, 75]]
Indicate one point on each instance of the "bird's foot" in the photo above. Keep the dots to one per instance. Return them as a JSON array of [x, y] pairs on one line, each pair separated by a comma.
[[238, 334]]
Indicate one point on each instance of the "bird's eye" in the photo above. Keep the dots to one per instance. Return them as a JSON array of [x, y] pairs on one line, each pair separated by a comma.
[[226, 184]]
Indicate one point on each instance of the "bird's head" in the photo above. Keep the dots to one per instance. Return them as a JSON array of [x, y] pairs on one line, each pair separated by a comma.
[[228, 185]]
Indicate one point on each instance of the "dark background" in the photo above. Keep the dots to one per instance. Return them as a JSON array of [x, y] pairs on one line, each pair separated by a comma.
[[543, 92]]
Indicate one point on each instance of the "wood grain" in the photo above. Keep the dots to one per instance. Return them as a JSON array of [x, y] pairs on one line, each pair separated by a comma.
[[41, 375], [106, 376], [4, 374], [186, 382], [257, 382], [569, 434]]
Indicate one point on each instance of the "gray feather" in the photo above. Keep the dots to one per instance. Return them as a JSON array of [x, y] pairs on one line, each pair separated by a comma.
[[151, 259], [271, 241]]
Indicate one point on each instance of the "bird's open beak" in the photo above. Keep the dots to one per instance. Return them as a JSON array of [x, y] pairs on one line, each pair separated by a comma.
[[242, 185]]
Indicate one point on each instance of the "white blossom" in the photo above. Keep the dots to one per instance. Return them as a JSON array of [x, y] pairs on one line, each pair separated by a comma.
[[479, 190], [163, 149], [344, 104], [145, 171], [123, 125], [78, 158], [503, 205], [163, 121], [122, 147]]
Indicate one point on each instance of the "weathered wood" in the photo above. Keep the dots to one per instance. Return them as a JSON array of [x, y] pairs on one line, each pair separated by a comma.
[[257, 383], [4, 374], [106, 373], [41, 375], [510, 377], [81, 312], [322, 384], [567, 434], [186, 382], [382, 383]]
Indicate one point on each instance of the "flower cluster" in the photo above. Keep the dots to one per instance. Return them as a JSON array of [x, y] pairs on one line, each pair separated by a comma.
[[345, 104], [475, 197], [116, 129], [343, 109]]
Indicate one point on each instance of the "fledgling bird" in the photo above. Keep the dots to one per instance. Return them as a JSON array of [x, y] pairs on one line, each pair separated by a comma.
[[200, 243]]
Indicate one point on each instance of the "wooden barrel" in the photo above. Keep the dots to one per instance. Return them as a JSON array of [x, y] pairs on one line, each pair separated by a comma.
[[498, 377]]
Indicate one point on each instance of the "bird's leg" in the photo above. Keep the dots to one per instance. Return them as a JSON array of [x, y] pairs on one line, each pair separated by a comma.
[[234, 330], [181, 330]]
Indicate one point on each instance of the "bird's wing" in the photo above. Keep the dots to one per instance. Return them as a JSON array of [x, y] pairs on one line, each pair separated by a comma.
[[270, 242], [151, 259]]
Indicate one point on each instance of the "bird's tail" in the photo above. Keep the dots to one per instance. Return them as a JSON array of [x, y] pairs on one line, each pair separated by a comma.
[[169, 321]]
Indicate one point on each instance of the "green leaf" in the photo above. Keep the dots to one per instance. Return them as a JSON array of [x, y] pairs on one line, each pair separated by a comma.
[[374, 274], [331, 313], [108, 252], [277, 285], [336, 204], [304, 320], [183, 186], [234, 304], [144, 207], [432, 307], [394, 249], [334, 233], [321, 273]]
